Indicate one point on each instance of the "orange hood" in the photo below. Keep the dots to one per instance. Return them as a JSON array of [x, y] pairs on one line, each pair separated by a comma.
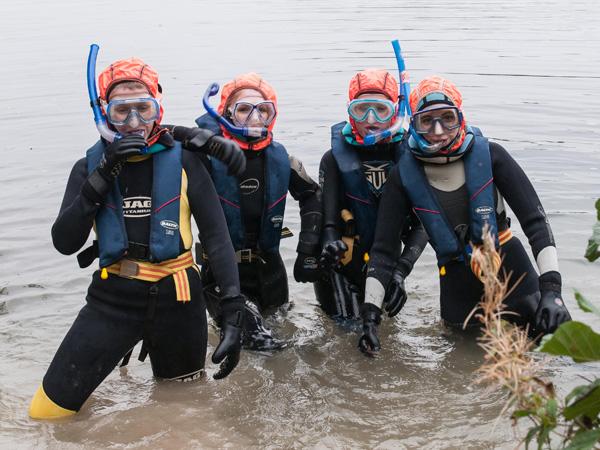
[[248, 81]]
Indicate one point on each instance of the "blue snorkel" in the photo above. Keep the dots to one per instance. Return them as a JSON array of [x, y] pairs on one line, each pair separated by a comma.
[[211, 91], [99, 118], [403, 116]]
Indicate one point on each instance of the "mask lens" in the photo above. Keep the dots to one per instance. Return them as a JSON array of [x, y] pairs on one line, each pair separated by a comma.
[[263, 111], [424, 122], [119, 112], [383, 110]]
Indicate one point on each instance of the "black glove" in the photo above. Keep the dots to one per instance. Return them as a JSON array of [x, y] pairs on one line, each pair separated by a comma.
[[306, 268], [205, 141], [371, 316], [227, 352], [396, 294], [99, 182], [551, 310], [332, 254]]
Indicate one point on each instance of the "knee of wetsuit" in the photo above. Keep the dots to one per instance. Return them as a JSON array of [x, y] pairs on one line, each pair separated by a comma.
[[256, 335], [42, 407]]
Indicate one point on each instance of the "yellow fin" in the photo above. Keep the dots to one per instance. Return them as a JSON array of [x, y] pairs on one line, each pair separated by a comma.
[[43, 408]]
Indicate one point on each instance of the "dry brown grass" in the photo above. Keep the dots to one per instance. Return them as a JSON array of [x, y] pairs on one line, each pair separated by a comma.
[[507, 362]]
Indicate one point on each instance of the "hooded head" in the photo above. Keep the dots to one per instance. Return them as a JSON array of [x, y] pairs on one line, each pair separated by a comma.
[[435, 92], [247, 84], [134, 71], [372, 81]]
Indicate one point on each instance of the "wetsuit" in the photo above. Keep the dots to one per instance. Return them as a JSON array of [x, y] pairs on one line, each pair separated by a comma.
[[376, 163], [120, 311], [460, 290], [263, 277]]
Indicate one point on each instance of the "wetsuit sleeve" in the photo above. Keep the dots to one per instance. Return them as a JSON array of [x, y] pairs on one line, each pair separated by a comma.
[[308, 193], [514, 185], [76, 216], [415, 240], [392, 216], [208, 214], [330, 181]]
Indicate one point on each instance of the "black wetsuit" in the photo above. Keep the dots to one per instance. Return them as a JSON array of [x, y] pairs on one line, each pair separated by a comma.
[[119, 311], [264, 281], [377, 163], [460, 290]]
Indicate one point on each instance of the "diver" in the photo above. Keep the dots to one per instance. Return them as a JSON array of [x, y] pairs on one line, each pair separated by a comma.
[[353, 175], [138, 190], [457, 181], [254, 203]]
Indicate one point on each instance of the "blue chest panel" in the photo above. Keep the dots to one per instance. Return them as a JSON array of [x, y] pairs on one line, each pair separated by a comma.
[[277, 181], [357, 190], [164, 218], [480, 187]]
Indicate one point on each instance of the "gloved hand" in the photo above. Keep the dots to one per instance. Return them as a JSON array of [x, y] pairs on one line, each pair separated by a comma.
[[227, 352], [99, 182], [201, 140], [306, 268], [332, 254], [371, 316], [396, 294], [551, 310]]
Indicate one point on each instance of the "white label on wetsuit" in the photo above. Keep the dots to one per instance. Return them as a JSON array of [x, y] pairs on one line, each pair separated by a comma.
[[137, 206], [249, 186], [169, 225]]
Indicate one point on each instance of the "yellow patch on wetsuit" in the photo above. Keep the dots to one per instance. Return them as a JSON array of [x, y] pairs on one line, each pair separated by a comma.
[[185, 225], [443, 270], [42, 407]]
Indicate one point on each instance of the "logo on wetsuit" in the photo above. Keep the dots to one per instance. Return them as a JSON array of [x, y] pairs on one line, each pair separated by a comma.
[[169, 226], [484, 211], [249, 186], [137, 207], [376, 173]]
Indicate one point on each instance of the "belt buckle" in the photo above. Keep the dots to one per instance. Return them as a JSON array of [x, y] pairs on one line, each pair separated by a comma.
[[129, 269], [246, 255]]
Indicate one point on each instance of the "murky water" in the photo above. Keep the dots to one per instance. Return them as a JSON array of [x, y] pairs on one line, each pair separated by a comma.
[[530, 75]]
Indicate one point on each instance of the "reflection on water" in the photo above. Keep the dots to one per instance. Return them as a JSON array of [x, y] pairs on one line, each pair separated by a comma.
[[529, 78]]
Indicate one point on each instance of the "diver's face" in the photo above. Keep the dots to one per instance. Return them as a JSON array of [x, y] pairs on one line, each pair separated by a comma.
[[134, 125], [370, 125], [438, 135]]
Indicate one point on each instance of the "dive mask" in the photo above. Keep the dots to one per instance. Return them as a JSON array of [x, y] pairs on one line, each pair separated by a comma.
[[242, 113], [120, 112], [381, 109]]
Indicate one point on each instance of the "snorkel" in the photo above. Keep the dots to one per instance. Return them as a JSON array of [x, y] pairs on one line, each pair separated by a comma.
[[403, 115], [101, 123], [211, 91]]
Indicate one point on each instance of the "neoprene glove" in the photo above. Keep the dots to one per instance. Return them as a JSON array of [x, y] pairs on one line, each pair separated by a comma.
[[396, 294], [369, 341], [551, 310], [306, 268], [99, 182], [332, 254], [227, 353], [201, 140]]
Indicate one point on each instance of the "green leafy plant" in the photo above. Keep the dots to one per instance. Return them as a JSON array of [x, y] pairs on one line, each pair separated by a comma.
[[572, 422]]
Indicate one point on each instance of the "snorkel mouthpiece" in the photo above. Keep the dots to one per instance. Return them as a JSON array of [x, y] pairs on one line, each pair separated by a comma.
[[403, 116], [99, 118], [211, 91]]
